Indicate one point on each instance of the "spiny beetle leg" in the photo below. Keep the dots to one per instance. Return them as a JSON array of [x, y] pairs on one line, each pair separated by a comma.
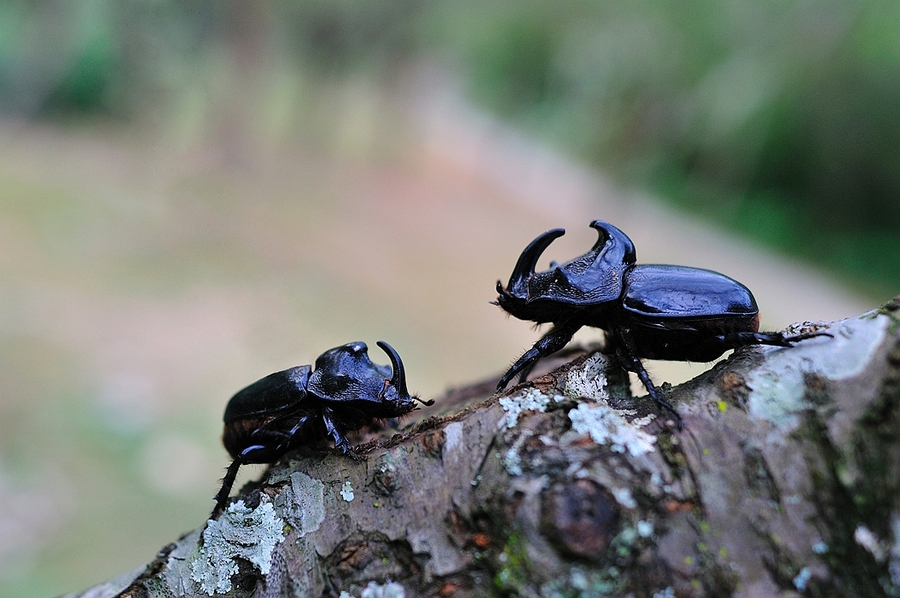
[[527, 359], [633, 364], [776, 339], [225, 490], [228, 481], [341, 443], [558, 337], [283, 439]]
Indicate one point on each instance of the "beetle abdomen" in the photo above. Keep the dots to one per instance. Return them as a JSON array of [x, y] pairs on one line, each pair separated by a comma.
[[270, 395], [665, 292], [688, 340]]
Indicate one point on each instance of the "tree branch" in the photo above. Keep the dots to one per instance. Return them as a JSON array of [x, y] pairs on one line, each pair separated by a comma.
[[785, 481]]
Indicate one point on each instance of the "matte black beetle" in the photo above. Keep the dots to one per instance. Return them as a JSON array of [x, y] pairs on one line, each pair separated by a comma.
[[300, 406], [649, 311]]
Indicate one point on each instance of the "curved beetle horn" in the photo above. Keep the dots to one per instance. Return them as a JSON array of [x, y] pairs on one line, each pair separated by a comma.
[[613, 245], [528, 260], [398, 376]]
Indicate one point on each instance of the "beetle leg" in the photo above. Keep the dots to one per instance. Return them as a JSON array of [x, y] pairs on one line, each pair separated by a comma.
[[735, 340], [340, 441], [289, 435], [776, 339], [228, 481], [558, 337], [267, 432], [225, 490], [633, 364]]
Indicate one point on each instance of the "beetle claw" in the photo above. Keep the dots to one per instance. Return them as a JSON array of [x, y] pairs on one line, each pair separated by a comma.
[[796, 338]]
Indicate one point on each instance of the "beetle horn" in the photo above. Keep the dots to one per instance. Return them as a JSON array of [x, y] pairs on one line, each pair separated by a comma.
[[613, 246], [398, 375], [528, 260]]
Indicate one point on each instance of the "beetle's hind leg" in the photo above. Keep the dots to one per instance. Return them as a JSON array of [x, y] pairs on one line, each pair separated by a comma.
[[227, 482], [780, 340], [230, 475], [736, 340], [265, 437]]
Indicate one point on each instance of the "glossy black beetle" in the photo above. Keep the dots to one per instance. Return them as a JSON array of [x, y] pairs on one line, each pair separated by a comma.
[[300, 406], [649, 311]]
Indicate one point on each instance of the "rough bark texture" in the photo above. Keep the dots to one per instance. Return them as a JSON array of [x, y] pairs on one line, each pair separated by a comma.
[[784, 482]]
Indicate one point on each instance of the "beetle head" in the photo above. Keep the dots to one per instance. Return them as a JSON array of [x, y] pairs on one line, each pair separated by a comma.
[[590, 279], [346, 373]]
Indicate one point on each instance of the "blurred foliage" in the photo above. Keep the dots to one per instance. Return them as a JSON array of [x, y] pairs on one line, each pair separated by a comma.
[[61, 57], [779, 119]]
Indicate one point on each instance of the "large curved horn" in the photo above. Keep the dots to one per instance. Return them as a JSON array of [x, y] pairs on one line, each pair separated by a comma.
[[528, 260], [398, 375]]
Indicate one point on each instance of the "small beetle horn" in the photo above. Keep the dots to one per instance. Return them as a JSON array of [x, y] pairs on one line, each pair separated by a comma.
[[613, 246], [528, 260]]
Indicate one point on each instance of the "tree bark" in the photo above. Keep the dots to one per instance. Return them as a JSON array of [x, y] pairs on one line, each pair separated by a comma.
[[783, 482]]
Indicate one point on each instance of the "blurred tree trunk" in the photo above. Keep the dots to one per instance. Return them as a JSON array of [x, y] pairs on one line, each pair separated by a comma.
[[238, 103], [784, 482]]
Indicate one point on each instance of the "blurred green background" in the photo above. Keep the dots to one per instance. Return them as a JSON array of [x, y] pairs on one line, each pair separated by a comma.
[[195, 194]]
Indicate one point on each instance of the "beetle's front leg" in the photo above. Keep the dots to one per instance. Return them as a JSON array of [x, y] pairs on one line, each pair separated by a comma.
[[558, 337], [633, 364], [340, 441]]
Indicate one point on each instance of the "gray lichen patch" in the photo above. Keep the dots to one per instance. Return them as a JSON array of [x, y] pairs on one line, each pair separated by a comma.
[[512, 462], [602, 422], [589, 380], [375, 590], [777, 391], [240, 531], [608, 426], [176, 575], [347, 491], [530, 400], [389, 590], [303, 503]]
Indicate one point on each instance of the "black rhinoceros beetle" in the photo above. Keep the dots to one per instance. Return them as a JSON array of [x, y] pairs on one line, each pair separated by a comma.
[[649, 311], [301, 406]]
